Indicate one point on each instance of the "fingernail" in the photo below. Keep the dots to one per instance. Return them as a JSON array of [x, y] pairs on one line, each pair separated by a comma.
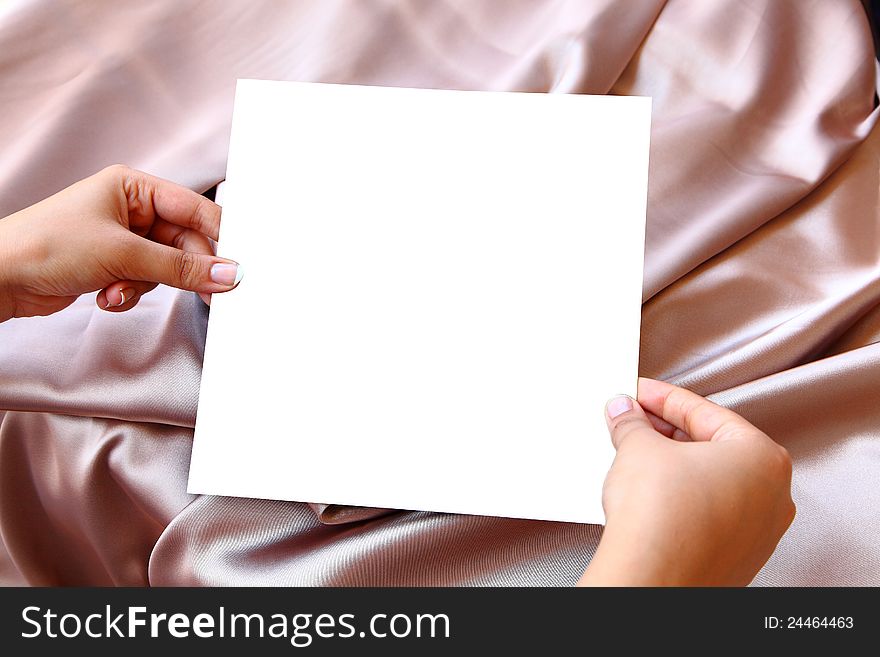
[[125, 296], [224, 273], [618, 406]]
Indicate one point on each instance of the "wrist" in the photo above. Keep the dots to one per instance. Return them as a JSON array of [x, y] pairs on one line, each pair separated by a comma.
[[7, 267], [626, 557]]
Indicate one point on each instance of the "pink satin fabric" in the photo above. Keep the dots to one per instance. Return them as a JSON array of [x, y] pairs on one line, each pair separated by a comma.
[[762, 276]]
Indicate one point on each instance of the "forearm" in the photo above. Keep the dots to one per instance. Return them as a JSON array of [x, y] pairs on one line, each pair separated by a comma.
[[19, 259]]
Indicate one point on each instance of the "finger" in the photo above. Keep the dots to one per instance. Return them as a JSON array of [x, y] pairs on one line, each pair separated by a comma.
[[662, 426], [627, 421], [185, 239], [145, 260], [122, 295], [699, 418], [179, 237], [150, 197]]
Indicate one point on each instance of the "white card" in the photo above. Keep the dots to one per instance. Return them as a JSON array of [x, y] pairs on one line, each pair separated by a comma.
[[441, 290]]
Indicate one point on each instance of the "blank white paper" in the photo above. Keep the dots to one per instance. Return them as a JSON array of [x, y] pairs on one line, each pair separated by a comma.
[[441, 290]]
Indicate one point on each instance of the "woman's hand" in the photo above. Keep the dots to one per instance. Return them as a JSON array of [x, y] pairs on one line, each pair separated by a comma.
[[696, 495], [121, 232]]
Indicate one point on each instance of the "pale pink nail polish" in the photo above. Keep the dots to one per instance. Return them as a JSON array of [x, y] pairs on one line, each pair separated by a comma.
[[226, 273], [125, 295], [619, 406]]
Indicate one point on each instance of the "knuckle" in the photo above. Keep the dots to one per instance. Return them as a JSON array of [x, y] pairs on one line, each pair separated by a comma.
[[124, 178], [185, 266], [625, 424], [785, 515], [116, 171], [625, 427], [681, 401], [728, 427], [782, 461], [201, 217], [206, 217]]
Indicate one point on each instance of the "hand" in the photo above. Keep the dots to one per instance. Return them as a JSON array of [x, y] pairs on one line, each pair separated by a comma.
[[696, 495], [119, 231]]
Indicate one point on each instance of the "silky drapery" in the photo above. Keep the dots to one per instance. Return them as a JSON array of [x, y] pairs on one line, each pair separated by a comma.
[[762, 276]]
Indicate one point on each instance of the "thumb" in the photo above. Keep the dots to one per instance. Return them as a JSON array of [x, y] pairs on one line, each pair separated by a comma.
[[153, 262], [627, 421]]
